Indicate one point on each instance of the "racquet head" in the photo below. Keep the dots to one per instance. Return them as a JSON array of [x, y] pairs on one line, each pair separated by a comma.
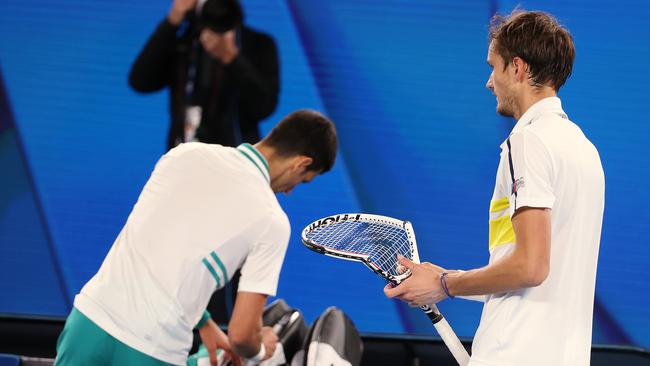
[[374, 240]]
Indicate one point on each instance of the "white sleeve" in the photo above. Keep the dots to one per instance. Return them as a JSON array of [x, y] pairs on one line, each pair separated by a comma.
[[530, 171], [261, 270]]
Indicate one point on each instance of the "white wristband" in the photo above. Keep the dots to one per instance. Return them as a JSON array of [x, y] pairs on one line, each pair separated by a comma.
[[260, 355]]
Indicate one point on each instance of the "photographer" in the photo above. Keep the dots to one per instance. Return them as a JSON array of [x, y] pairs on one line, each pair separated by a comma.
[[222, 75]]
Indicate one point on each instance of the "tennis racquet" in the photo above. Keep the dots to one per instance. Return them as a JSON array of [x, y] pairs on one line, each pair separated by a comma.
[[376, 241]]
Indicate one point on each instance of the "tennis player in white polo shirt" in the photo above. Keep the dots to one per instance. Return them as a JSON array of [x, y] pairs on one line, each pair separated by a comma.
[[545, 215], [206, 211]]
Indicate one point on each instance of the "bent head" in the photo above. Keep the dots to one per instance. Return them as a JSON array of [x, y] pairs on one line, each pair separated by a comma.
[[218, 22], [529, 51], [220, 16], [302, 146]]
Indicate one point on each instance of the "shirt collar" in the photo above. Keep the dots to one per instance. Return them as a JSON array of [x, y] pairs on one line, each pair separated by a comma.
[[252, 154], [544, 106]]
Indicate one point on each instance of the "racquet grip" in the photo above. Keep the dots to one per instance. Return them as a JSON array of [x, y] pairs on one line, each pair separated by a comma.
[[453, 343], [432, 313], [447, 334]]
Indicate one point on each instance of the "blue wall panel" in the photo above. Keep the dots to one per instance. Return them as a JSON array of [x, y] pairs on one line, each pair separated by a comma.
[[31, 283]]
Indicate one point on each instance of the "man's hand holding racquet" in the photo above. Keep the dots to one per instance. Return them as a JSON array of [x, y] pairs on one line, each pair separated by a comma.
[[423, 287]]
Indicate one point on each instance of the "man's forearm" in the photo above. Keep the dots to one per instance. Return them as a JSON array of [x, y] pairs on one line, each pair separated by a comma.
[[152, 68], [245, 327], [507, 274]]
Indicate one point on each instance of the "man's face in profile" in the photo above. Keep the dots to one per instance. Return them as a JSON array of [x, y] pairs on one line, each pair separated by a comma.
[[500, 82]]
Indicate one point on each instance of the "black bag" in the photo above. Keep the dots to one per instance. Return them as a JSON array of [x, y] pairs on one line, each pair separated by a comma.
[[288, 324], [333, 340]]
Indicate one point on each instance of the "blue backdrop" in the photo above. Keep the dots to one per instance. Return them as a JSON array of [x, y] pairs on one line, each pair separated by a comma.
[[404, 82]]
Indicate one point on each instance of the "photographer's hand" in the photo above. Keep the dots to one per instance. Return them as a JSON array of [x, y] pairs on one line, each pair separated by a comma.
[[179, 9]]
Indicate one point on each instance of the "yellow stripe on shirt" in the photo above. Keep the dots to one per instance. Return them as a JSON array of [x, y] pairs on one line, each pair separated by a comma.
[[499, 205], [501, 230]]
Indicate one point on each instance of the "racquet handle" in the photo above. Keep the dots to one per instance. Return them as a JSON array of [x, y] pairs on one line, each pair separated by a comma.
[[447, 334]]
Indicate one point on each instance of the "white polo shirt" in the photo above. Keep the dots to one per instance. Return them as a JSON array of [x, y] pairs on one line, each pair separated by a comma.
[[547, 162], [206, 211]]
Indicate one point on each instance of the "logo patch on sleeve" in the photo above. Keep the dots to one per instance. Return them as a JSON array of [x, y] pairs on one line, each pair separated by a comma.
[[517, 185]]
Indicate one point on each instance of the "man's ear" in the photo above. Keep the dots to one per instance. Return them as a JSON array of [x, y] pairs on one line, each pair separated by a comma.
[[302, 162], [521, 68]]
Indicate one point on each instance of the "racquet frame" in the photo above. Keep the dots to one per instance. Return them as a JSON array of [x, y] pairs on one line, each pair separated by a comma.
[[439, 322]]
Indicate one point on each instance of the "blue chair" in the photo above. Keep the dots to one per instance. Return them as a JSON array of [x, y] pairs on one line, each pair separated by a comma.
[[9, 360]]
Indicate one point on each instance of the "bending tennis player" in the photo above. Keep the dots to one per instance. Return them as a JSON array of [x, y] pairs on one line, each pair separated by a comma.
[[206, 211], [545, 215]]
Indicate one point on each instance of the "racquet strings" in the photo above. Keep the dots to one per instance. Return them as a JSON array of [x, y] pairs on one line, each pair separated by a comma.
[[380, 242]]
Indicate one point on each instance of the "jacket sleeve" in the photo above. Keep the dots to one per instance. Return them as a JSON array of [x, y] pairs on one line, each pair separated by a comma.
[[153, 68], [257, 77]]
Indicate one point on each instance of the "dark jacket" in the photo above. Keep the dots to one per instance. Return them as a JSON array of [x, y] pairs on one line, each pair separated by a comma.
[[234, 97]]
